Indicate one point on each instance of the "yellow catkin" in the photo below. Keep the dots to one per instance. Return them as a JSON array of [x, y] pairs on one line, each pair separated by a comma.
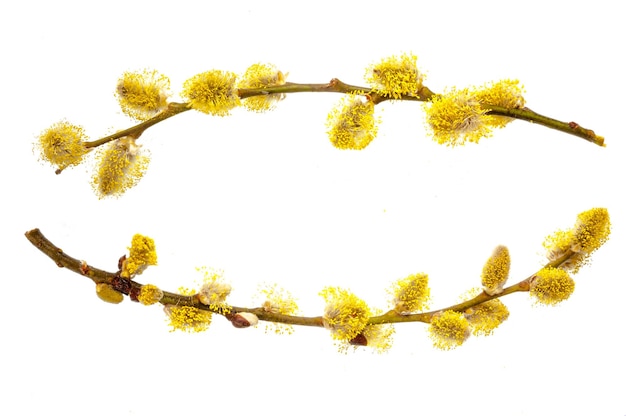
[[279, 301], [505, 93], [395, 76], [142, 253], [345, 314], [143, 94], [487, 316], [212, 92], [411, 294], [149, 295], [591, 231], [188, 319], [449, 330], [551, 286], [262, 76], [214, 289], [379, 337], [62, 144], [120, 167], [456, 118], [496, 271], [351, 124]]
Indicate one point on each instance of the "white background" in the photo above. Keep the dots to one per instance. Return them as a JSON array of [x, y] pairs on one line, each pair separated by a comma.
[[266, 198]]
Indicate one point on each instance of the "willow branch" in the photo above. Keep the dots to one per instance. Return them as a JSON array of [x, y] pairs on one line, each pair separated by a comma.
[[337, 86], [131, 288]]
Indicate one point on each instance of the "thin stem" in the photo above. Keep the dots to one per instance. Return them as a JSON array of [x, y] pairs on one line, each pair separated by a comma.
[[529, 115], [136, 131], [335, 85], [132, 288]]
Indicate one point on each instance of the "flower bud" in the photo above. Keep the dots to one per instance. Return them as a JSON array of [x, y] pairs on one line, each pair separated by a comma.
[[106, 293], [244, 320]]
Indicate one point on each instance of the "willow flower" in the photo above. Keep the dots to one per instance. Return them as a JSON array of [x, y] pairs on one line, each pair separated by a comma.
[[120, 167], [345, 314], [449, 330], [396, 76], [143, 94], [142, 253], [379, 337], [456, 118], [262, 76], [63, 145], [212, 92], [214, 289], [506, 94], [149, 294], [574, 247], [277, 300], [496, 271], [188, 318], [351, 124], [551, 286], [410, 294], [485, 317]]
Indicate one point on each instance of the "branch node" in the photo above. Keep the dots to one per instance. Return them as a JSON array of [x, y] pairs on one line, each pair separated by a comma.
[[121, 284]]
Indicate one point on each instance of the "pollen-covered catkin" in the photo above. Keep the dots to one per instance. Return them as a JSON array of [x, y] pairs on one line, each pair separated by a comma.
[[395, 76], [121, 165], [572, 248], [496, 271], [142, 94], [262, 76], [411, 294], [63, 145], [551, 286], [149, 294], [142, 253], [449, 330], [345, 314], [212, 92], [351, 124], [456, 117], [188, 318], [506, 93]]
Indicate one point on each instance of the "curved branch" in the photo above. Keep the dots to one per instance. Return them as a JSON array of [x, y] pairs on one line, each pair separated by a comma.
[[337, 86], [131, 288]]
